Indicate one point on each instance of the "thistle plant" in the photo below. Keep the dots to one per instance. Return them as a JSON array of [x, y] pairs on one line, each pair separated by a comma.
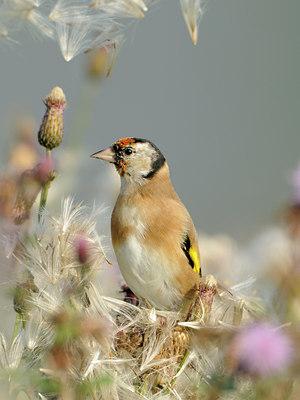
[[50, 134]]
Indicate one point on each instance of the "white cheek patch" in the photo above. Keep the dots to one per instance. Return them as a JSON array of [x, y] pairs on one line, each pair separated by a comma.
[[140, 163]]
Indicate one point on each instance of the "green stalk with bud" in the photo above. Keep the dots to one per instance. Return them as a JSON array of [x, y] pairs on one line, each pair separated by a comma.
[[50, 135]]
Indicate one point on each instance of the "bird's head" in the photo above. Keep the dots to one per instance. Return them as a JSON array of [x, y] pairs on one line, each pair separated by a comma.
[[135, 159]]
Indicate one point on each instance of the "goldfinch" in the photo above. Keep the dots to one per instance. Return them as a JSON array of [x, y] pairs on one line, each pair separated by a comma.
[[153, 235]]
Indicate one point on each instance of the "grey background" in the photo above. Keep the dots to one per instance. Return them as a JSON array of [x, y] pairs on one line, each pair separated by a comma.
[[225, 113]]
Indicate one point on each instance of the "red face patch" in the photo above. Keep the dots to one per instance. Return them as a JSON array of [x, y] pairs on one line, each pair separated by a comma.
[[120, 163], [125, 142]]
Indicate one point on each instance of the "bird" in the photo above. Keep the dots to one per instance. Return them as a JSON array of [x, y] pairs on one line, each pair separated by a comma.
[[153, 235]]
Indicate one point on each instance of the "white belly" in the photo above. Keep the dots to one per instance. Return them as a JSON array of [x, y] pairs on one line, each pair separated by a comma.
[[146, 273]]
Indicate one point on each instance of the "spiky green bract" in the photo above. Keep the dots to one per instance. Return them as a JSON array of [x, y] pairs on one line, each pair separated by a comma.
[[51, 130]]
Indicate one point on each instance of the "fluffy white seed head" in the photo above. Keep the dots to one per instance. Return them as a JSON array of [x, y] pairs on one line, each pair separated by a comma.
[[72, 11], [192, 12], [28, 14], [121, 8], [78, 38]]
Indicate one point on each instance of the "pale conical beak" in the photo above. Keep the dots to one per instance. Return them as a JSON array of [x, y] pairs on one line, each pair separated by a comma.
[[106, 155]]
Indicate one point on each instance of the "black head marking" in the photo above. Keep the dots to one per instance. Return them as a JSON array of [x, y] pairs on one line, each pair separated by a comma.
[[157, 162], [156, 165], [128, 143]]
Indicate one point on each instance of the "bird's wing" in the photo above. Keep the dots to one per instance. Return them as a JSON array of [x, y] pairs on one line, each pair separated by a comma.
[[189, 237], [178, 220], [191, 250], [182, 234]]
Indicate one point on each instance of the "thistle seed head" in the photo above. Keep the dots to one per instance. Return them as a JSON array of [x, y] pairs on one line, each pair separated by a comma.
[[201, 307], [51, 130]]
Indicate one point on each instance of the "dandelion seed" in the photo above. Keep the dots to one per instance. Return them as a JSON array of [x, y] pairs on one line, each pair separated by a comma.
[[69, 214], [192, 12], [152, 315], [3, 32], [26, 3], [114, 50], [4, 35], [139, 3], [75, 39], [72, 12], [51, 260], [10, 356], [26, 13], [121, 8], [51, 296], [37, 333]]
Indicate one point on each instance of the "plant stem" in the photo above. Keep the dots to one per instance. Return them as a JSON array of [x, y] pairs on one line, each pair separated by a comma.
[[93, 394], [144, 387], [44, 193], [182, 362], [18, 321]]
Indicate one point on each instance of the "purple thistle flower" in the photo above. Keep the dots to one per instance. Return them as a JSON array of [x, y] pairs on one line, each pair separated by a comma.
[[262, 350], [82, 247]]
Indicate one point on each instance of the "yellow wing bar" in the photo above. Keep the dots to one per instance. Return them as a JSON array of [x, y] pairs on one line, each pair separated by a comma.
[[191, 254], [194, 256]]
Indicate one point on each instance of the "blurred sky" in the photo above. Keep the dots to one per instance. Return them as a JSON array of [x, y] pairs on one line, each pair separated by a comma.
[[224, 113]]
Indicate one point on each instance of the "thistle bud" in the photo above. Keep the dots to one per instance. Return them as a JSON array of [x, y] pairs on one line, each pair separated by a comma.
[[201, 307], [51, 130], [82, 247], [21, 297], [22, 293]]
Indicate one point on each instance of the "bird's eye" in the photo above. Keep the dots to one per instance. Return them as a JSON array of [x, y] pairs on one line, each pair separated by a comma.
[[128, 151]]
